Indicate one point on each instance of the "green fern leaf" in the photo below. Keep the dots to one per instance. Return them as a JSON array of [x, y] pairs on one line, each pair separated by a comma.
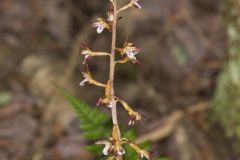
[[93, 123]]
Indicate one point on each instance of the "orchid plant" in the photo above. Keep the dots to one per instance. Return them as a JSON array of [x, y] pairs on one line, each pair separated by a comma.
[[114, 145]]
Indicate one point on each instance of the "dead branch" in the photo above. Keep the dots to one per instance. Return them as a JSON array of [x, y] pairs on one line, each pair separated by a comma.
[[171, 122]]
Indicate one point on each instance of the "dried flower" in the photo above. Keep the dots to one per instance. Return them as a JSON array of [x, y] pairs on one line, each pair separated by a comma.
[[117, 141], [88, 79], [87, 52], [135, 116], [106, 99], [142, 153], [101, 24]]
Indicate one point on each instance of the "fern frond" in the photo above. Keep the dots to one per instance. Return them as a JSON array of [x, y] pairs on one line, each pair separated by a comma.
[[93, 122]]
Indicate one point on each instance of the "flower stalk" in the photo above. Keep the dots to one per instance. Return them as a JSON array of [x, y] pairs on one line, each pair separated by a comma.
[[114, 146], [112, 70], [112, 63]]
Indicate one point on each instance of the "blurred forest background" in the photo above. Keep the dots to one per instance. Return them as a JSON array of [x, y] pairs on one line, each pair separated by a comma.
[[188, 84]]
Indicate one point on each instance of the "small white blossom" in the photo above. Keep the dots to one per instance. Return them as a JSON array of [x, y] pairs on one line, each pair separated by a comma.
[[101, 24], [99, 27], [131, 52]]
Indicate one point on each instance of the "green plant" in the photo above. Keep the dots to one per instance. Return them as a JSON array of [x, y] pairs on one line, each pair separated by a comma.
[[226, 101]]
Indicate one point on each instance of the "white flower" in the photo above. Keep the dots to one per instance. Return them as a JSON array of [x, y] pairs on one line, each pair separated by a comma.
[[131, 52], [99, 27], [136, 4]]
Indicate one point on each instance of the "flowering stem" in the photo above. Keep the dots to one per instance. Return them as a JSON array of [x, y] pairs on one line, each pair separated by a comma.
[[112, 68], [112, 62]]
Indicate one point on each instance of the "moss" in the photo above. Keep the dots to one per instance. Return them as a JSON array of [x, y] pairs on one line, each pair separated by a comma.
[[227, 97]]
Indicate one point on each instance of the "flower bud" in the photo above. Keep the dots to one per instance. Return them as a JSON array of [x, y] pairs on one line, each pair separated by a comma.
[[110, 14]]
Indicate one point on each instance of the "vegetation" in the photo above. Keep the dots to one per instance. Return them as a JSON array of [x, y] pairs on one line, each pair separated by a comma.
[[226, 101]]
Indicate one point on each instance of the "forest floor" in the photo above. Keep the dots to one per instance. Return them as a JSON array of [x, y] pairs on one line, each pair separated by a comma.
[[184, 50]]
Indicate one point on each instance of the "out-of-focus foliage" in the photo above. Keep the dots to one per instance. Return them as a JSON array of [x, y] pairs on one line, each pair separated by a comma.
[[5, 97], [227, 102]]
